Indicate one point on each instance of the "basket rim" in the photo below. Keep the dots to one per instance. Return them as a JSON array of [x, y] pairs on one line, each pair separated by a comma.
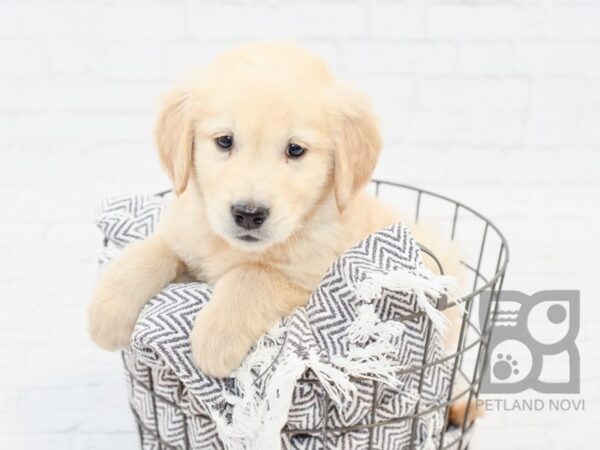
[[505, 251]]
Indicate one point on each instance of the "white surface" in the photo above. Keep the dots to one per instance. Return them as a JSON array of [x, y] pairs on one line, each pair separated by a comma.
[[496, 103]]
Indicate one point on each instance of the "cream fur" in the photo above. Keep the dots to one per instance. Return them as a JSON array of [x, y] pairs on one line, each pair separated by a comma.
[[265, 95]]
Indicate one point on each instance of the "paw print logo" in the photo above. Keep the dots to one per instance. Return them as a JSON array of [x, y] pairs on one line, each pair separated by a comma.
[[510, 363], [505, 367], [533, 342]]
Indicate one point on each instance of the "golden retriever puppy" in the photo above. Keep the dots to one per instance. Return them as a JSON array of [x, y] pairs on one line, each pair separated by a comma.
[[268, 155]]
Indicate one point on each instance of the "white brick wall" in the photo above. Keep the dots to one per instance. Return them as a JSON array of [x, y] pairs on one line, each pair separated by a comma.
[[494, 102]]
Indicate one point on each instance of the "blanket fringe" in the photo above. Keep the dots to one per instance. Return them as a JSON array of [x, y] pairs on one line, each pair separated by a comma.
[[256, 420], [372, 348], [422, 284]]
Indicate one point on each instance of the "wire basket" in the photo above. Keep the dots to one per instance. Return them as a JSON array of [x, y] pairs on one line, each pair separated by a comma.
[[485, 258]]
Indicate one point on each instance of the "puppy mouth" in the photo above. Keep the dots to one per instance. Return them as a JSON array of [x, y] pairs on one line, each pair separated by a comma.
[[248, 238]]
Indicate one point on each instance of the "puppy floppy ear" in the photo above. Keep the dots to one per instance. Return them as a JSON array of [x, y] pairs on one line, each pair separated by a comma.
[[175, 137], [357, 144]]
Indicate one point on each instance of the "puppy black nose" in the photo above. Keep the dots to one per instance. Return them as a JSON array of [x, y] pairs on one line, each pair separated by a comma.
[[249, 215]]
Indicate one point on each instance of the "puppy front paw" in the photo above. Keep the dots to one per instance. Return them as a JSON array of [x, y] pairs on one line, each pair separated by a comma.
[[218, 347], [111, 319]]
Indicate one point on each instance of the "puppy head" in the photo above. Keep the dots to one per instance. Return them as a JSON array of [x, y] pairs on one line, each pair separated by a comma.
[[266, 133]]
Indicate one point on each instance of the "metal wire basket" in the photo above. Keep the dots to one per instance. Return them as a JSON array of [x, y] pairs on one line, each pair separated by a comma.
[[486, 255]]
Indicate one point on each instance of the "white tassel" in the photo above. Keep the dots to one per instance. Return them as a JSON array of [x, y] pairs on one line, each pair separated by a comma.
[[371, 360], [363, 326], [422, 285], [375, 370], [437, 318], [257, 418], [277, 402], [335, 382], [367, 325]]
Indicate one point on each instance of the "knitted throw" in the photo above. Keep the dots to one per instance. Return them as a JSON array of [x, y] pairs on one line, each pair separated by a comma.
[[348, 350]]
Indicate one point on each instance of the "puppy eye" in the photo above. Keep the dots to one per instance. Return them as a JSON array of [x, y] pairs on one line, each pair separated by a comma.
[[224, 142], [294, 150]]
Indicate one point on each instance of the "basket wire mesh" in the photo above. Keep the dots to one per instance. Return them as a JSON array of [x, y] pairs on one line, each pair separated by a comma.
[[485, 260]]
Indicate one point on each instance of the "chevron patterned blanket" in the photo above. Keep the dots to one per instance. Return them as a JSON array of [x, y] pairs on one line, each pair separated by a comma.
[[319, 379]]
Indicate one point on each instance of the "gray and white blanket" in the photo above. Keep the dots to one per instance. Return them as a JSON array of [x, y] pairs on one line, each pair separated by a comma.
[[340, 363]]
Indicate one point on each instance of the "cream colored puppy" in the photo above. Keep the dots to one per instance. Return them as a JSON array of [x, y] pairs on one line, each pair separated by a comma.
[[268, 155]]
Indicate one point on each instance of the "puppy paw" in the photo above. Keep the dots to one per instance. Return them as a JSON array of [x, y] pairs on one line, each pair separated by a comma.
[[458, 411], [111, 320], [218, 348]]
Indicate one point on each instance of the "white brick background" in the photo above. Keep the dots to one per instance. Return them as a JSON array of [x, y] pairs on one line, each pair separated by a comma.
[[496, 103]]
